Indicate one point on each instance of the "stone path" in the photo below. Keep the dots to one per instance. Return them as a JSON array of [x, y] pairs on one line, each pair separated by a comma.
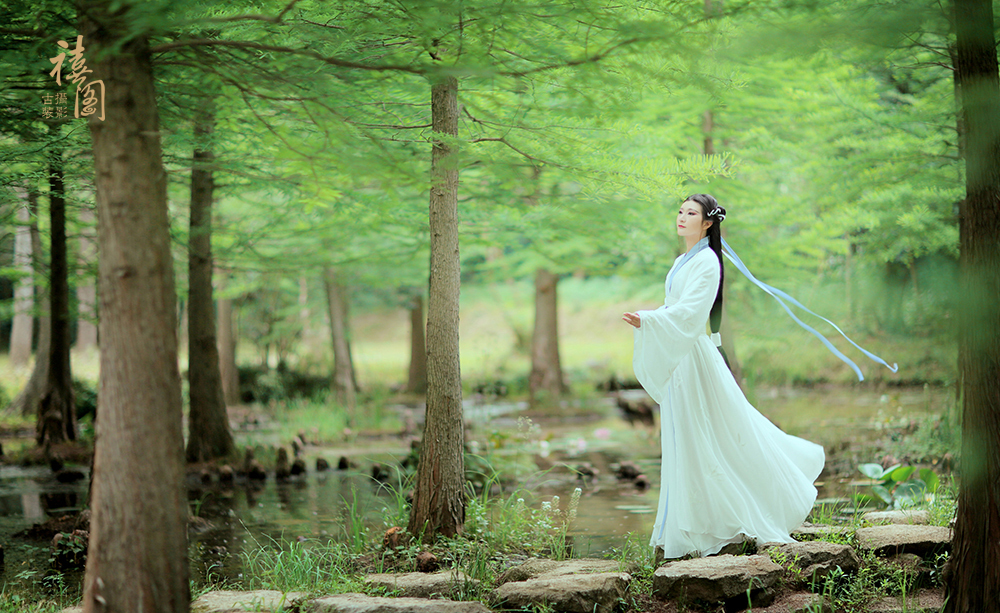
[[591, 585]]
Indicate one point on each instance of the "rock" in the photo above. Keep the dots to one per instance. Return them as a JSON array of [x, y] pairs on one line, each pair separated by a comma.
[[199, 525], [897, 517], [816, 558], [68, 475], [812, 531], [255, 471], [586, 472], [282, 471], [226, 474], [534, 568], [427, 562], [719, 579], [298, 467], [641, 482], [925, 601], [343, 463], [230, 601], [798, 602], [322, 465], [895, 539], [423, 585], [393, 537], [746, 547], [627, 471], [361, 603], [571, 593], [380, 473]]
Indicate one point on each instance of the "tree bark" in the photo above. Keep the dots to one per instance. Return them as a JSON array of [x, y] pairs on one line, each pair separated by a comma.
[[227, 353], [86, 288], [24, 291], [27, 401], [209, 436], [973, 582], [417, 380], [344, 385], [439, 499], [546, 367], [137, 555], [57, 408]]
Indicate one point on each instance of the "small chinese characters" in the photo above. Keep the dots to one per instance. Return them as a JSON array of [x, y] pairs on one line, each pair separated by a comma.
[[88, 91]]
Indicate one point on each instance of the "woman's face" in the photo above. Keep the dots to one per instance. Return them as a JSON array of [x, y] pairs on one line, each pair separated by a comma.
[[691, 221]]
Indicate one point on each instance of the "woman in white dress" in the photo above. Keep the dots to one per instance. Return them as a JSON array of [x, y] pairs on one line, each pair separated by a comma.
[[727, 472]]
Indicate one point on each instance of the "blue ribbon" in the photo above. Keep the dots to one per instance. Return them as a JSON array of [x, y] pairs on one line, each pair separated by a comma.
[[777, 294]]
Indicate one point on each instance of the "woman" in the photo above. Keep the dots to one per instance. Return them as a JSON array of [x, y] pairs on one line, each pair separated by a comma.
[[726, 470]]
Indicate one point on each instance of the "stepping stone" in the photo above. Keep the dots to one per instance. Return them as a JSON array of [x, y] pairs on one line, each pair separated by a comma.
[[895, 539], [897, 517], [362, 603], [538, 567], [816, 558], [798, 602], [814, 531], [423, 585], [260, 600], [582, 593], [719, 579], [925, 601]]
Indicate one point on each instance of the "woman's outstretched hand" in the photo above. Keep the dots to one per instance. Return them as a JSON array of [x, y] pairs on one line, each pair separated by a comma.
[[632, 318]]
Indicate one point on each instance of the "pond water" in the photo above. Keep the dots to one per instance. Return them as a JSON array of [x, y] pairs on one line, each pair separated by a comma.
[[536, 459]]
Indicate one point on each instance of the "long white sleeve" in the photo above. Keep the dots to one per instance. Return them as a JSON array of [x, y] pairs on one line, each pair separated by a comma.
[[667, 334]]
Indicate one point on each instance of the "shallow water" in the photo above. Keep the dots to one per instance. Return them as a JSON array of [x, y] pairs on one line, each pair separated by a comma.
[[537, 460]]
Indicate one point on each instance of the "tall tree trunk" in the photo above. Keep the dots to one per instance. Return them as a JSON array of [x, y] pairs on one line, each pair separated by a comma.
[[546, 367], [417, 380], [57, 409], [725, 327], [227, 353], [974, 579], [86, 288], [137, 555], [24, 291], [304, 307], [27, 401], [344, 385], [439, 498], [209, 436]]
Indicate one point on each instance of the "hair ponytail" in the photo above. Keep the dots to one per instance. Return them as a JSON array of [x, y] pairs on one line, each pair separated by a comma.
[[711, 211]]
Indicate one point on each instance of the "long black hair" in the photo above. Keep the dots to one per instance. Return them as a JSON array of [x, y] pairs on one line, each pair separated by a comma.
[[711, 211]]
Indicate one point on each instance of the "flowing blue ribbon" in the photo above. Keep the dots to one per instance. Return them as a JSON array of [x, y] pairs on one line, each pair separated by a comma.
[[777, 294]]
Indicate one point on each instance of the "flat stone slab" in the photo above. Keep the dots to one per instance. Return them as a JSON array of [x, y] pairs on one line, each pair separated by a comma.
[[925, 601], [814, 531], [798, 602], [715, 578], [816, 558], [362, 603], [422, 585], [260, 600], [540, 567], [897, 517], [580, 593], [895, 539]]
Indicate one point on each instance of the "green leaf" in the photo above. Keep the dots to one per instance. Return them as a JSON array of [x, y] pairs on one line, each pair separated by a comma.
[[902, 473], [882, 492], [930, 478], [872, 471]]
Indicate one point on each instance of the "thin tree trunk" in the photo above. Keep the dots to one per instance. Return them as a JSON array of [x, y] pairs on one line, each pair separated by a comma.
[[209, 436], [57, 409], [973, 582], [86, 288], [24, 291], [137, 555], [417, 380], [725, 327], [344, 385], [227, 353], [546, 367], [304, 307], [439, 499], [27, 401]]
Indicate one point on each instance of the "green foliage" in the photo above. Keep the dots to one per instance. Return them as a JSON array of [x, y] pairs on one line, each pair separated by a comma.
[[901, 486]]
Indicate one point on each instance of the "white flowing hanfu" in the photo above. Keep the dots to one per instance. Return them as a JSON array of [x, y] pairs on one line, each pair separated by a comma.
[[727, 471]]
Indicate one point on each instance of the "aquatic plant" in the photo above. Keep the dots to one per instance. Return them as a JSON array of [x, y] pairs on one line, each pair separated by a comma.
[[901, 486]]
